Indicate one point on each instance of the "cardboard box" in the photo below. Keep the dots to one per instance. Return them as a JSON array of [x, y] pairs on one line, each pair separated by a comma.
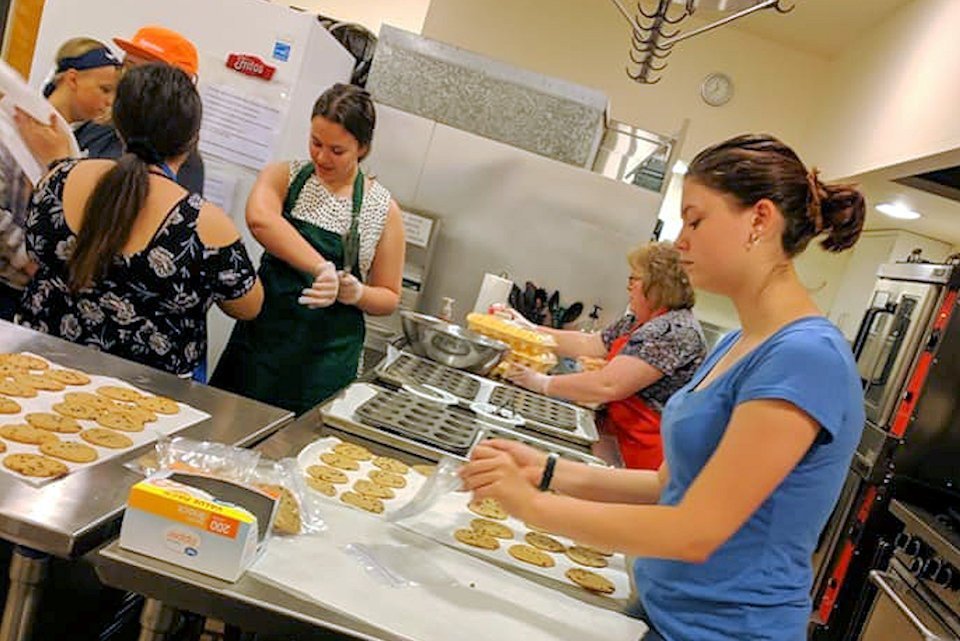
[[204, 524]]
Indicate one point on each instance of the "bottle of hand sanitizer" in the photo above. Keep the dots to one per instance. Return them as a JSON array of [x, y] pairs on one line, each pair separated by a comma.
[[591, 325], [446, 309]]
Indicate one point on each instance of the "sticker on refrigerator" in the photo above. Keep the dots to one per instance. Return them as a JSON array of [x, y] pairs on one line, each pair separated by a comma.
[[250, 65], [281, 51]]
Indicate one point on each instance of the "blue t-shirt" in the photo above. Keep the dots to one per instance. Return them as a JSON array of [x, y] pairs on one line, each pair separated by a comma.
[[757, 585]]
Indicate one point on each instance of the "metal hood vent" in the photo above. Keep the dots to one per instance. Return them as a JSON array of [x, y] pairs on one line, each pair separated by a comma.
[[941, 182]]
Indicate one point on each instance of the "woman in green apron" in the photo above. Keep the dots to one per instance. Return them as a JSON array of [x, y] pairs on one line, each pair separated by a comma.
[[334, 250]]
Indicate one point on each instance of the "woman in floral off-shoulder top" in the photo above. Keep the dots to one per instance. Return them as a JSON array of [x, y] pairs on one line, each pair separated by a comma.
[[127, 261]]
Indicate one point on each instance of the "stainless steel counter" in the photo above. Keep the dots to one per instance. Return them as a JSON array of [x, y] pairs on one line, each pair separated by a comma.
[[73, 515], [248, 603]]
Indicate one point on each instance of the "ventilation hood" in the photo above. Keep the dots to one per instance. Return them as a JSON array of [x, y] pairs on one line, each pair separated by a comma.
[[941, 182]]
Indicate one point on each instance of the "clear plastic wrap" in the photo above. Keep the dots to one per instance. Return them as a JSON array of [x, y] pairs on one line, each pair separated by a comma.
[[204, 457], [299, 511], [445, 479], [399, 566]]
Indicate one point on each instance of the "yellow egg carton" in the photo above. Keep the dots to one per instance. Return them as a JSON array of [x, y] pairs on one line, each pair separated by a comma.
[[520, 339], [543, 363]]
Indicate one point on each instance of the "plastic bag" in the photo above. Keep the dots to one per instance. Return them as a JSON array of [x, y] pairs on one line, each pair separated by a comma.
[[399, 566], [299, 511], [445, 479], [204, 457]]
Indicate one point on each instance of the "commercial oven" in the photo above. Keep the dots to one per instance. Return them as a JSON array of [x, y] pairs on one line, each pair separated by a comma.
[[908, 354], [916, 596]]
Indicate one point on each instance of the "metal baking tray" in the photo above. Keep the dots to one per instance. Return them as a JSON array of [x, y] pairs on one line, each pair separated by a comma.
[[410, 369], [547, 416], [440, 425], [546, 446], [535, 408]]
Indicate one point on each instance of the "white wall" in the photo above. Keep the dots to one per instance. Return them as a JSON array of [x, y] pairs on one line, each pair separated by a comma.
[[891, 97], [587, 41], [506, 209], [406, 14]]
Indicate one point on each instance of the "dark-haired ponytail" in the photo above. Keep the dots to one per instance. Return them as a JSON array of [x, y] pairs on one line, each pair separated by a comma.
[[755, 167], [108, 218], [843, 210], [157, 113]]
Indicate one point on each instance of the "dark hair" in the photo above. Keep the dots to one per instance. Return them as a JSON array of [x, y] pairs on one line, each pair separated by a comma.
[[157, 114], [754, 167], [351, 107]]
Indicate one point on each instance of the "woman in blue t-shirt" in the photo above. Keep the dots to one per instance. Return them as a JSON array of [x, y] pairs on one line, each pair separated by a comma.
[[756, 445]]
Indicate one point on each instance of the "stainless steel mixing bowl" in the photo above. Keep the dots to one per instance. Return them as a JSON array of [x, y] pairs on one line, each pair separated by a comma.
[[450, 344]]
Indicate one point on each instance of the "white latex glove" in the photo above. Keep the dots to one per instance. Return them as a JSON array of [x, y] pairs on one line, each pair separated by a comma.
[[351, 289], [504, 310], [529, 379], [323, 292]]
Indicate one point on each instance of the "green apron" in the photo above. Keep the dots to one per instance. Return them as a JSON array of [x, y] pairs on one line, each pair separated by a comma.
[[292, 356]]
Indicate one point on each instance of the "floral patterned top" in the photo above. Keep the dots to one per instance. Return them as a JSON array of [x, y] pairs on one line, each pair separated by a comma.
[[151, 307], [672, 342]]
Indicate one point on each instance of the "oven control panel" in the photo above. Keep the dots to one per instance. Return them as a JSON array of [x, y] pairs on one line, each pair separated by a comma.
[[926, 546]]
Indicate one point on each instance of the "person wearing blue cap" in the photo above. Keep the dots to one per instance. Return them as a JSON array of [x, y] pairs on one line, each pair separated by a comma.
[[81, 88], [84, 80]]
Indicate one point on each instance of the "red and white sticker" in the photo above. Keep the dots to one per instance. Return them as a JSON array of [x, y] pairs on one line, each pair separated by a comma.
[[250, 65]]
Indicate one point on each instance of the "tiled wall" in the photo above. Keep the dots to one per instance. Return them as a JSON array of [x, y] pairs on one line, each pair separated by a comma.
[[545, 115]]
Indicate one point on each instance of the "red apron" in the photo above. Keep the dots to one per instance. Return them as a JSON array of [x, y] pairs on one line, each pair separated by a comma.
[[636, 424]]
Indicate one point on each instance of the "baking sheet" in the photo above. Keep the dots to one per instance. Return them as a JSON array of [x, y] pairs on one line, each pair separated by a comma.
[[487, 603], [45, 400], [450, 513], [310, 455]]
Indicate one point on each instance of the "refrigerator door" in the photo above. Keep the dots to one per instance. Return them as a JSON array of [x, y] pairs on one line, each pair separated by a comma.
[[267, 120]]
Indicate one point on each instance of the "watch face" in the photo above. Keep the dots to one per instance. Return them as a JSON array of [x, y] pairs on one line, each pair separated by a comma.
[[717, 89]]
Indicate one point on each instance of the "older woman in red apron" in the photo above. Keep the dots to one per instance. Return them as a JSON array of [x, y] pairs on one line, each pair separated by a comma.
[[650, 353]]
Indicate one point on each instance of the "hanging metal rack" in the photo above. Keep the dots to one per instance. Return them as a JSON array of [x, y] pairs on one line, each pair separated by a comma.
[[655, 31]]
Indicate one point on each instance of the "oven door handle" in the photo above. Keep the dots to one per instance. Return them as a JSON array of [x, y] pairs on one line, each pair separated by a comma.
[[881, 580], [863, 331]]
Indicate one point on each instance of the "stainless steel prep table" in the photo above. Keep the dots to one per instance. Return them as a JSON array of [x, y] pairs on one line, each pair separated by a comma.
[[82, 511], [248, 603]]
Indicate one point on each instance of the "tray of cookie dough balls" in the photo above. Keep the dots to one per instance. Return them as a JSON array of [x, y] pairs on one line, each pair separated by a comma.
[[55, 420], [351, 475], [484, 529]]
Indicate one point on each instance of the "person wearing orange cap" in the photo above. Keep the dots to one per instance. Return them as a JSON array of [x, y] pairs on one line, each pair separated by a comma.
[[158, 44], [149, 44], [99, 139]]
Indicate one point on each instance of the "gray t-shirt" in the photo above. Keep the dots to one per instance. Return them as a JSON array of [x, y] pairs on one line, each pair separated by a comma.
[[672, 342]]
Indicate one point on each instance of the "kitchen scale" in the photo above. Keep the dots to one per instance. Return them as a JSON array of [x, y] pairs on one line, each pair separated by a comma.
[[543, 414]]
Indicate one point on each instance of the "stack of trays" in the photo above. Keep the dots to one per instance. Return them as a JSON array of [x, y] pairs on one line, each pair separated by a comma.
[[528, 347]]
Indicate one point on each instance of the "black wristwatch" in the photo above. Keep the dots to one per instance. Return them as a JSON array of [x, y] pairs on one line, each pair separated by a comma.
[[548, 469]]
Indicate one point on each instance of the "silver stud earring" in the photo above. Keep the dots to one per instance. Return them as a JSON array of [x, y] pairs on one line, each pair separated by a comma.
[[753, 240]]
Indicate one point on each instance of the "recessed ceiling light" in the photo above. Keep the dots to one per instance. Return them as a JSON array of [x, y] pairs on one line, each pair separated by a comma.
[[897, 210]]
